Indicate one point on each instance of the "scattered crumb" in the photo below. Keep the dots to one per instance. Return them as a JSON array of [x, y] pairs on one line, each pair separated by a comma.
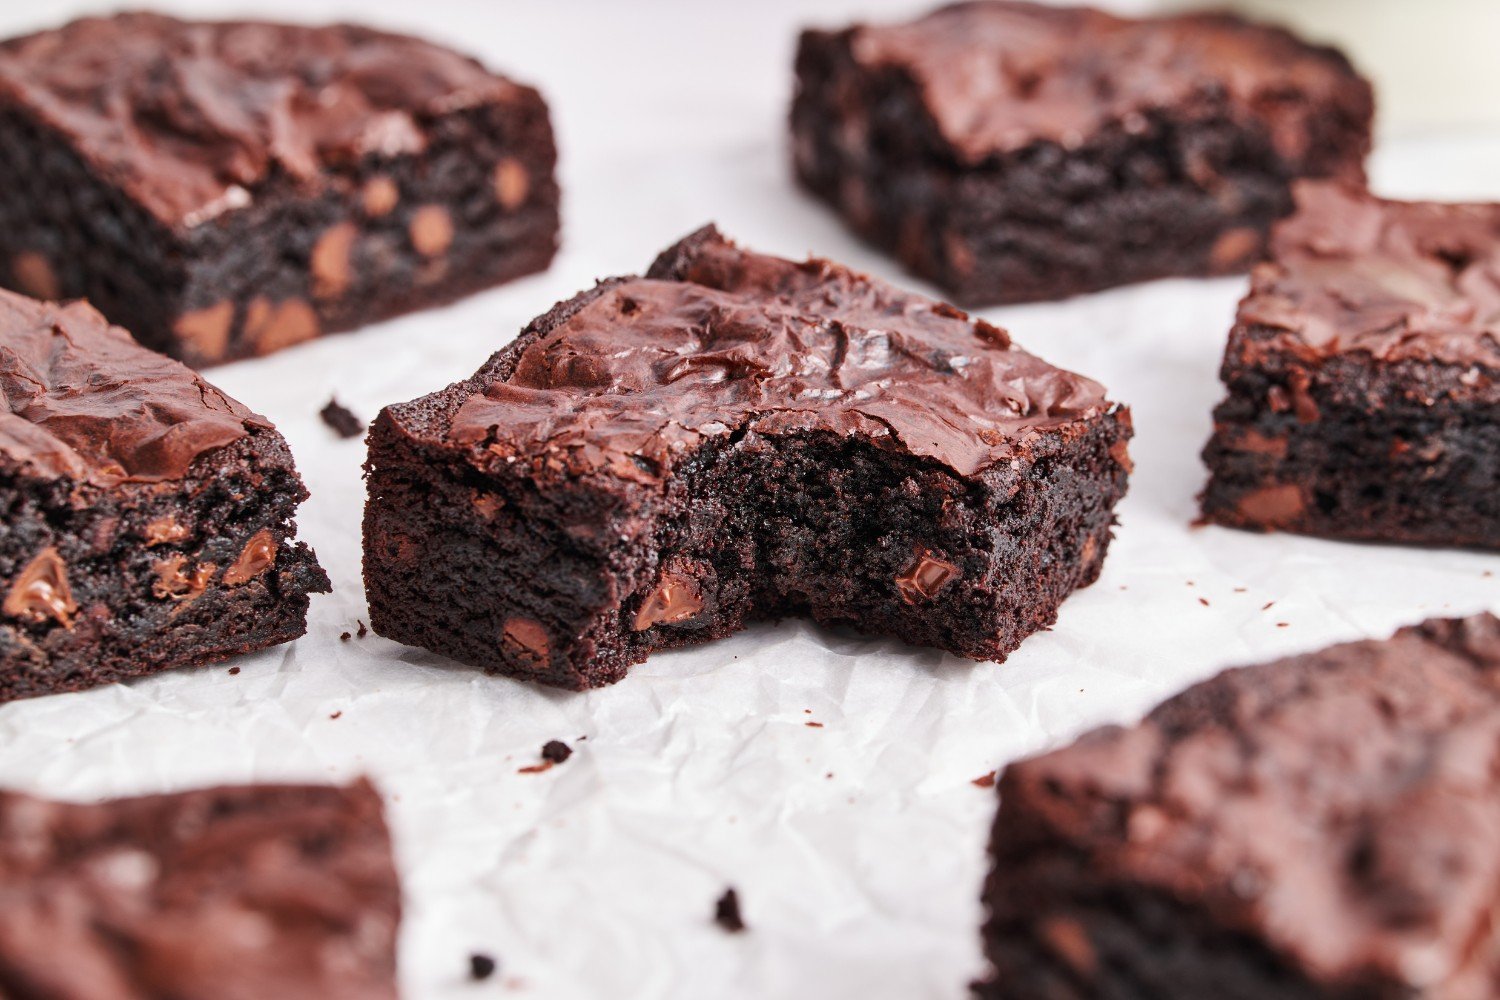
[[233, 671], [1267, 606], [1241, 590], [984, 781], [345, 637], [807, 711], [1123, 587], [343, 423], [813, 725], [335, 715], [1191, 584], [362, 630], [829, 775], [556, 751], [545, 765], [582, 738], [1487, 574], [727, 912], [481, 966], [1203, 601], [1282, 624]]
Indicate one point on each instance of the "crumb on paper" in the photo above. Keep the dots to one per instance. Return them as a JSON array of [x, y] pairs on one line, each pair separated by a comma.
[[345, 637], [556, 751], [362, 632], [727, 912], [233, 671], [813, 725], [1203, 601], [335, 715], [1267, 606], [481, 966], [984, 781], [342, 422]]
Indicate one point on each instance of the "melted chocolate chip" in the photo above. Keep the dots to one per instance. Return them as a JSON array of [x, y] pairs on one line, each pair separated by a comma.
[[258, 556], [675, 599], [41, 591], [527, 637], [925, 577]]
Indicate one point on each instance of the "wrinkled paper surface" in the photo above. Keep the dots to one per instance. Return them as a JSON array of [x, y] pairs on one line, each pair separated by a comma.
[[857, 845]]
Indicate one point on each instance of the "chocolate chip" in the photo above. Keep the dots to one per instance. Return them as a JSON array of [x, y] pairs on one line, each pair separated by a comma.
[[206, 331], [727, 912], [511, 183], [379, 196], [556, 751], [270, 326], [33, 274], [481, 966], [343, 423], [431, 230], [331, 270]]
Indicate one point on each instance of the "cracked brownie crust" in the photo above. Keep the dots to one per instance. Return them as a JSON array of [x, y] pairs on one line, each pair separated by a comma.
[[149, 517], [228, 189], [1363, 377], [1324, 826], [735, 437], [1014, 152], [234, 893]]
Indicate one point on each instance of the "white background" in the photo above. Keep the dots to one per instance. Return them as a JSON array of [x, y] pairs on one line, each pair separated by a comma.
[[857, 847]]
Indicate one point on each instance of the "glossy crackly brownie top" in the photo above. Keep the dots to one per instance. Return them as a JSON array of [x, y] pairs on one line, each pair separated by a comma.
[[189, 117], [1397, 280], [997, 76], [84, 401], [716, 341]]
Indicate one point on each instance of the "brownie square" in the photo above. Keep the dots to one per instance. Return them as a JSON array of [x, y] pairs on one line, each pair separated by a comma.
[[1013, 152], [248, 893], [228, 189], [147, 516], [733, 437], [1327, 826], [1363, 377]]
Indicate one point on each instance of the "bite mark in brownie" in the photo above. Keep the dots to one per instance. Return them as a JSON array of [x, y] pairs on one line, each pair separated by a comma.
[[148, 517], [733, 437], [1327, 826], [226, 189], [1363, 377], [235, 893], [1013, 152]]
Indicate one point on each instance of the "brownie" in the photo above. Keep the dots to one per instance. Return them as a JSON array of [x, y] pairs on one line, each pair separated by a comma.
[[1363, 377], [227, 189], [147, 516], [1013, 152], [733, 437], [226, 893], [1327, 826]]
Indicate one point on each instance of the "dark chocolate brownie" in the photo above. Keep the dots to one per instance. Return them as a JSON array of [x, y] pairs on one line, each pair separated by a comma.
[[246, 893], [147, 516], [1323, 827], [227, 189], [1363, 377], [1013, 152], [734, 437]]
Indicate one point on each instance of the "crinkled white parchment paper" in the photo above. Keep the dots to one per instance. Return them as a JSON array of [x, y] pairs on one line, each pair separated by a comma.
[[857, 845]]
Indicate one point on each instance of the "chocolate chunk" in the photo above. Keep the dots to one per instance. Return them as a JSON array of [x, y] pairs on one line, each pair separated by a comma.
[[258, 556], [343, 423], [675, 599], [41, 592], [925, 577], [727, 912], [528, 638]]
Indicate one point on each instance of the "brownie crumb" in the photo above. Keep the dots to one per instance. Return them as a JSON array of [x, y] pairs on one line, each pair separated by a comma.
[[335, 715], [727, 912], [481, 967], [813, 725], [1267, 606], [344, 423], [363, 631], [1203, 601], [556, 751], [984, 781], [233, 671], [345, 637], [545, 765]]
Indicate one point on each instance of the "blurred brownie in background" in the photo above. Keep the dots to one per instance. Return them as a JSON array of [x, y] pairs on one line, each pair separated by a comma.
[[248, 893], [1326, 827], [1012, 152], [1363, 377], [733, 437], [148, 517], [227, 189]]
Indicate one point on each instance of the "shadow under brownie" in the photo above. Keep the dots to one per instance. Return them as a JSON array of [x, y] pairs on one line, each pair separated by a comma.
[[148, 518], [1326, 826], [736, 437], [1363, 377], [1014, 152], [226, 189], [261, 892]]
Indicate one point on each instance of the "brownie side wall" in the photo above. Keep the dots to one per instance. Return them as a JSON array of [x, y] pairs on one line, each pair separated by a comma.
[[764, 527], [1190, 190], [1354, 448], [146, 566], [66, 232]]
